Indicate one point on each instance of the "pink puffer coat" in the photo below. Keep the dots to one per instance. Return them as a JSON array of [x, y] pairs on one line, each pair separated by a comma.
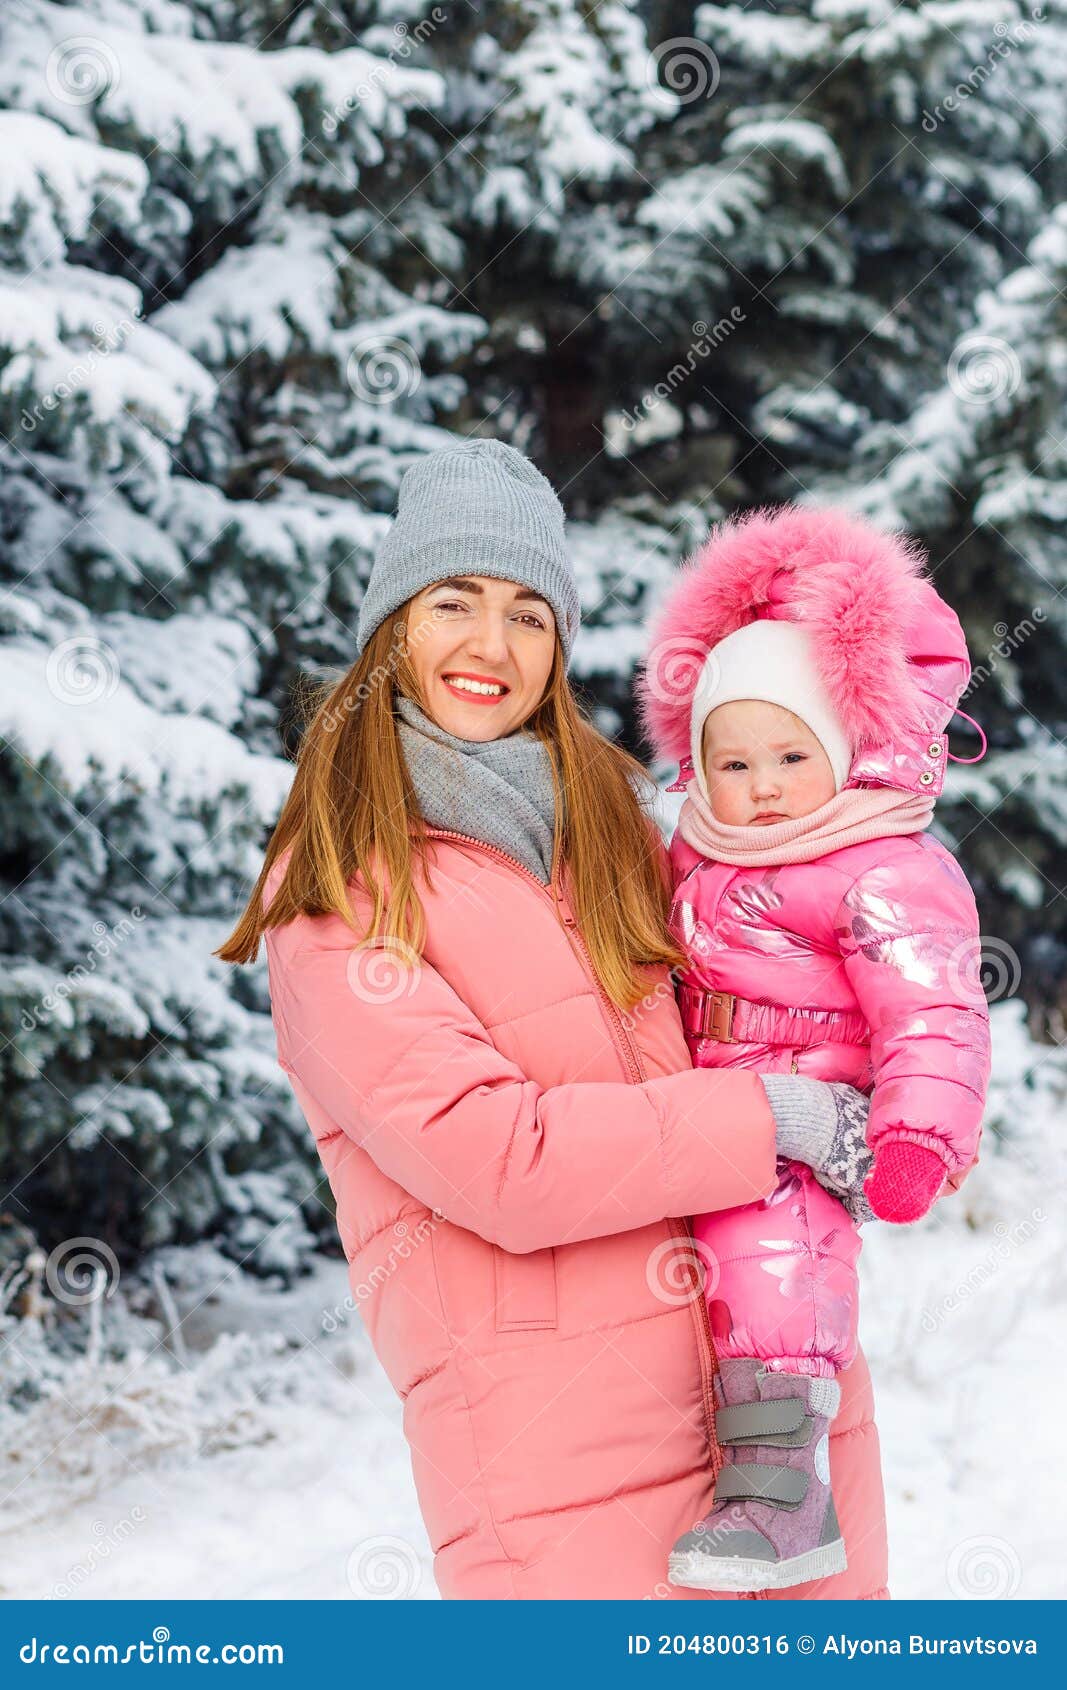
[[875, 950], [885, 932], [514, 1165]]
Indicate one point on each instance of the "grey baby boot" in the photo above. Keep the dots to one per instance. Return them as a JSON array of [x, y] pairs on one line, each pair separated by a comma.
[[773, 1521]]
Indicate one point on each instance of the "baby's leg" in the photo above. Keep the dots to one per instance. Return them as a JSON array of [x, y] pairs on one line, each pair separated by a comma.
[[781, 1284], [780, 1277]]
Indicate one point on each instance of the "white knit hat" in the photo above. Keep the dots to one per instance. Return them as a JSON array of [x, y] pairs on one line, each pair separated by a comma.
[[771, 661]]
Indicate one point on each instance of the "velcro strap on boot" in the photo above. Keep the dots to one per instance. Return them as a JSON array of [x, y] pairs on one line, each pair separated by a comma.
[[782, 1423], [753, 1481]]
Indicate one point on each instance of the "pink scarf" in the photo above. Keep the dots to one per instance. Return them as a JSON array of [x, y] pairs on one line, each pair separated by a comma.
[[848, 818]]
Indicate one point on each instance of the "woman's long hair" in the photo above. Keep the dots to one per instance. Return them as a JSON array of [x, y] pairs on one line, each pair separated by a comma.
[[352, 812]]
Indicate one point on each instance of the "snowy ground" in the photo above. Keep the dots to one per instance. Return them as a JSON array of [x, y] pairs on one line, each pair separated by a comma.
[[295, 1485], [272, 1463]]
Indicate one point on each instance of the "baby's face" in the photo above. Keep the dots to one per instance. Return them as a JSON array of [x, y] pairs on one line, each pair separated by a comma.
[[763, 765]]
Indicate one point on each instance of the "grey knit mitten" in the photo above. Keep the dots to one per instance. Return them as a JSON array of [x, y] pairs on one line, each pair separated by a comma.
[[824, 1123]]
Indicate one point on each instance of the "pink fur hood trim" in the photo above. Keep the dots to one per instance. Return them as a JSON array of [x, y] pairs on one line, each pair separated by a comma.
[[890, 651]]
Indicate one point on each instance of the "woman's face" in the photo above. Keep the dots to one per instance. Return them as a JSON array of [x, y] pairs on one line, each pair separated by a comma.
[[482, 653]]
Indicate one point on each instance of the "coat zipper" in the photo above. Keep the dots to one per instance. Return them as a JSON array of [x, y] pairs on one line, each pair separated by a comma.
[[705, 1343]]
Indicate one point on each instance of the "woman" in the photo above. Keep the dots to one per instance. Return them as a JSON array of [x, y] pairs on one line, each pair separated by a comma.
[[465, 913]]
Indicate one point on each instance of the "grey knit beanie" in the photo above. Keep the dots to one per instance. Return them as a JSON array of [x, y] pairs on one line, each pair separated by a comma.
[[477, 508]]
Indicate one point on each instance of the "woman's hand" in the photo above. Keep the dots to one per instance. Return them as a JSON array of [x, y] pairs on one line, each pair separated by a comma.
[[825, 1125]]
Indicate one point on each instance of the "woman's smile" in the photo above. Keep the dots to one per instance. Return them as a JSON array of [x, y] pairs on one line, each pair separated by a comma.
[[476, 689]]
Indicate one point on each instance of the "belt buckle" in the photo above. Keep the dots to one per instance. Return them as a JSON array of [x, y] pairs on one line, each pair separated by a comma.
[[718, 1017]]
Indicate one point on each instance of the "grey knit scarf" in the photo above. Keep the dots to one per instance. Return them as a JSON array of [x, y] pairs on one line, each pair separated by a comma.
[[496, 790]]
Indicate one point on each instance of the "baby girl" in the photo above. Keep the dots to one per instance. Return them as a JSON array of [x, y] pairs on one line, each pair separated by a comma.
[[827, 935]]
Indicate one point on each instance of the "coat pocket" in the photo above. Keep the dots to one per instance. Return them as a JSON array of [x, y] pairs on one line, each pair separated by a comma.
[[525, 1290]]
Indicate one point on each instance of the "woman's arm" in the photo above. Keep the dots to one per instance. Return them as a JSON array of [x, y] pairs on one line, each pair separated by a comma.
[[413, 1077], [825, 1125]]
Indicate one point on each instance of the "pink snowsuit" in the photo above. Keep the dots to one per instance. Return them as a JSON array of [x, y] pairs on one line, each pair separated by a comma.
[[873, 948], [861, 965]]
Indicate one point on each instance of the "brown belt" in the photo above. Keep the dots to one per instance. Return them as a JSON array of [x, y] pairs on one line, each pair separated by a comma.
[[728, 1019]]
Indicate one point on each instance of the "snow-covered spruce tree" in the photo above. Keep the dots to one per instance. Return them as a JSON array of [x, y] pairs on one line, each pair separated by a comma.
[[739, 281], [546, 104], [980, 469], [853, 198], [824, 176], [256, 258], [196, 330]]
